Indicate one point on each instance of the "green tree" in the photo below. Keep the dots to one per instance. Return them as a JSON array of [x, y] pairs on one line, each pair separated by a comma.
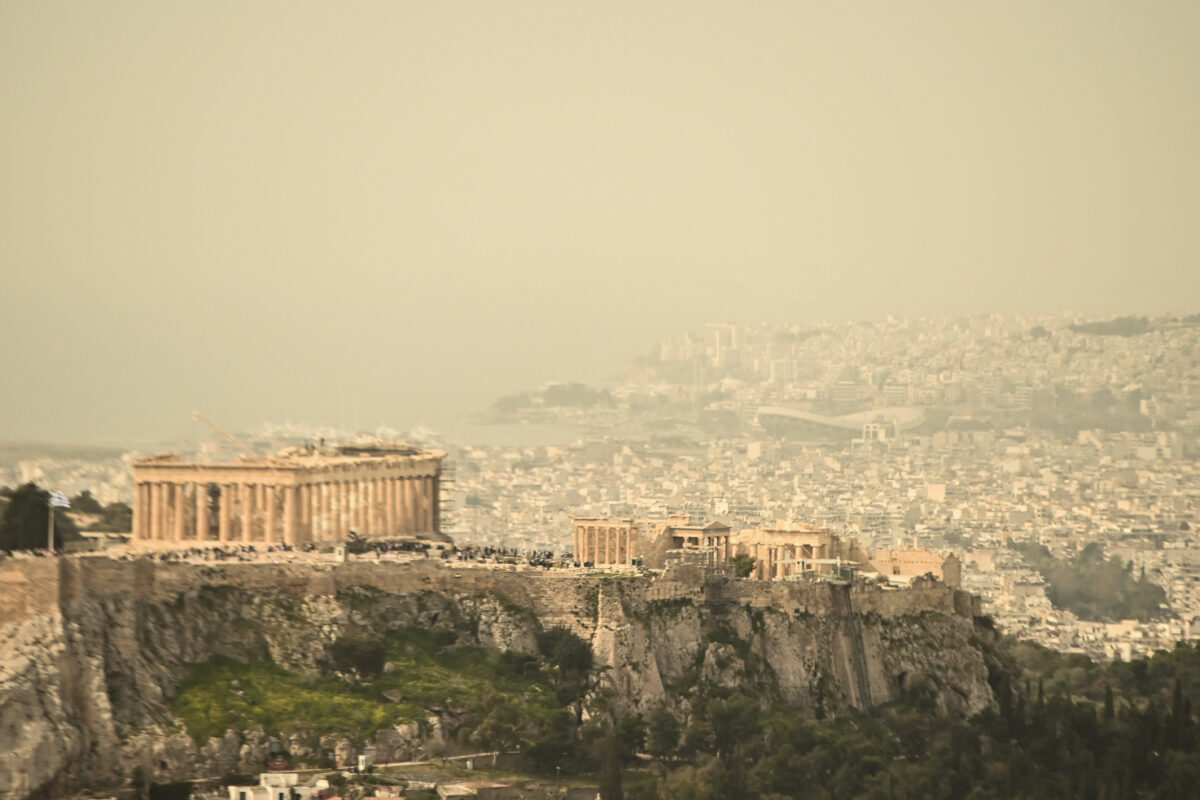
[[570, 659], [27, 517], [117, 518], [564, 649], [662, 733], [743, 565], [139, 783], [364, 657], [86, 504]]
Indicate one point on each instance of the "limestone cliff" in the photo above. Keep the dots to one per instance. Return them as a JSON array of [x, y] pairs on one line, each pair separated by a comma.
[[92, 650]]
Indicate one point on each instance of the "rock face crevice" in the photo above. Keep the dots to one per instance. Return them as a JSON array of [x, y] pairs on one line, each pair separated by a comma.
[[93, 650]]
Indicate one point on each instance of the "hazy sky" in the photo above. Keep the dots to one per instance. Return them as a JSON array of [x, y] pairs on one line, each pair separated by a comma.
[[257, 208]]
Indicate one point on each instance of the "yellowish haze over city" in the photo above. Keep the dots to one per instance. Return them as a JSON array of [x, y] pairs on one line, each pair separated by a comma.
[[263, 209]]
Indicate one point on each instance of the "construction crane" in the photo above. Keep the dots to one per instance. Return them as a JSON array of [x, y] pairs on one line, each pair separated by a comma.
[[242, 448]]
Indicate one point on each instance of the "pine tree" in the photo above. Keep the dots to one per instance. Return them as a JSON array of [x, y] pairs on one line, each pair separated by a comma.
[[27, 517]]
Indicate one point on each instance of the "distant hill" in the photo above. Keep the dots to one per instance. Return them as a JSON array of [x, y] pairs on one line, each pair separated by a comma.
[[1121, 326]]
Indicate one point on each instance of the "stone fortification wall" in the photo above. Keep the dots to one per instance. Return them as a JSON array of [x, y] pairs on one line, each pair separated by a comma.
[[840, 600], [28, 588], [36, 586]]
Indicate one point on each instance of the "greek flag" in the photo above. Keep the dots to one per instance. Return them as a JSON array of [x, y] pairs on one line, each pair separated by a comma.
[[59, 500]]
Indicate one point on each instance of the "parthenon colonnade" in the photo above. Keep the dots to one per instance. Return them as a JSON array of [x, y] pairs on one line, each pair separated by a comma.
[[302, 497]]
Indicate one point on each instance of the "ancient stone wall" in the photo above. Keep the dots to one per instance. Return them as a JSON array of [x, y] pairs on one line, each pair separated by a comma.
[[28, 588], [36, 586]]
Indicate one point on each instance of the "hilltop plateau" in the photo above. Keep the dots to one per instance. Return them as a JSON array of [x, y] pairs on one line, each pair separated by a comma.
[[195, 670]]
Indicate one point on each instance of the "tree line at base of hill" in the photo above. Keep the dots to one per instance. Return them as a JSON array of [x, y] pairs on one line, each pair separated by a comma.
[[1110, 731], [1061, 726]]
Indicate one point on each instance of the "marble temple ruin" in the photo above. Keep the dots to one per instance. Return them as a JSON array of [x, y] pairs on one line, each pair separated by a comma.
[[303, 495]]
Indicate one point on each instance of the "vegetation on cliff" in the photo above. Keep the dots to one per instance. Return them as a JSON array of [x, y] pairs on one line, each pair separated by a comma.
[[223, 694], [1061, 726], [497, 700]]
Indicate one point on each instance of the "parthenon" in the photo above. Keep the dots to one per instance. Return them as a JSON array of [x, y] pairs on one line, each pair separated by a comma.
[[306, 495]]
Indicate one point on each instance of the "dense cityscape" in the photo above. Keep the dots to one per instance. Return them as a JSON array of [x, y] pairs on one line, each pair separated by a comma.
[[980, 436], [599, 401]]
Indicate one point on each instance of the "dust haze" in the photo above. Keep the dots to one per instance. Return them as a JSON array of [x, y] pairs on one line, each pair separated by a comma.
[[397, 212]]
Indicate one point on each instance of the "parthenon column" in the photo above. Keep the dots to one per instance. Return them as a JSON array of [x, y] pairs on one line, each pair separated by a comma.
[[177, 528], [361, 507], [308, 511], [168, 504], [201, 512], [289, 514], [431, 505], [389, 505], [272, 498], [418, 504], [148, 508], [435, 505], [335, 512], [248, 511], [364, 507], [356, 506], [372, 506], [426, 503], [223, 512], [340, 517], [372, 521], [155, 511], [408, 522], [400, 504], [402, 507], [311, 501], [326, 516], [381, 506]]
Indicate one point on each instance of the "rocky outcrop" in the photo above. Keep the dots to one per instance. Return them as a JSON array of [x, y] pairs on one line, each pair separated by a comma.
[[92, 650]]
